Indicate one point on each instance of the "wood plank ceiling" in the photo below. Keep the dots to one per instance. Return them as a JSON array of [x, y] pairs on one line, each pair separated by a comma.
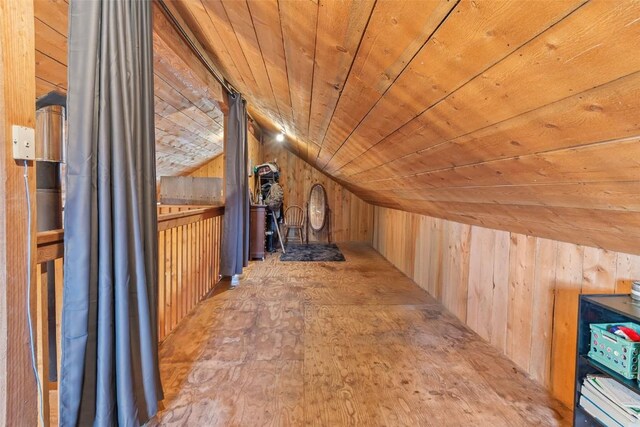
[[188, 120], [515, 115]]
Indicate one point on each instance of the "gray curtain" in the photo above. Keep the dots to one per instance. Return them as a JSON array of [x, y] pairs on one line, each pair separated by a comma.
[[109, 374], [235, 242]]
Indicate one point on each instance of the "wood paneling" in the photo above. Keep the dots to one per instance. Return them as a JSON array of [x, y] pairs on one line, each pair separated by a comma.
[[215, 167], [611, 229], [496, 106], [189, 121], [518, 292], [473, 38], [340, 28], [351, 218], [212, 168], [18, 392], [299, 22], [188, 118]]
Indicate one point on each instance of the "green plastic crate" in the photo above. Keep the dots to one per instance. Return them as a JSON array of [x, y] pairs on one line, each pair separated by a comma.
[[615, 352]]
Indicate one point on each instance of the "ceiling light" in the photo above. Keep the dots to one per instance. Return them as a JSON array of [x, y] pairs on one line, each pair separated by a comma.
[[280, 137]]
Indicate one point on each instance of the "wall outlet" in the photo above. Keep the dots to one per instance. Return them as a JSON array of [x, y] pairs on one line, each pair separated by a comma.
[[24, 142]]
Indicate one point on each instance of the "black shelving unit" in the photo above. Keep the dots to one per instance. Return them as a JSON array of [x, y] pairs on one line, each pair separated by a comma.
[[599, 309]]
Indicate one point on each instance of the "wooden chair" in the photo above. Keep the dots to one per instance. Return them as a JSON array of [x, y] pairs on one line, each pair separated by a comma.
[[293, 220]]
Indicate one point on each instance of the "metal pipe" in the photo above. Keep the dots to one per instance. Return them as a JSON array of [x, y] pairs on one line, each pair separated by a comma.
[[50, 133], [225, 84]]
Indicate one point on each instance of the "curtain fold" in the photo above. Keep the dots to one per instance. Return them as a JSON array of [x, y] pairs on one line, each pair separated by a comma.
[[109, 373], [235, 243]]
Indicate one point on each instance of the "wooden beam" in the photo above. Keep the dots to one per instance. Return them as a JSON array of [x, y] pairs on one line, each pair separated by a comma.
[[18, 397]]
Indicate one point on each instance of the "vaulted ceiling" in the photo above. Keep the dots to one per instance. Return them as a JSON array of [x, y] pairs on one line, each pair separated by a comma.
[[521, 115], [188, 120], [518, 115]]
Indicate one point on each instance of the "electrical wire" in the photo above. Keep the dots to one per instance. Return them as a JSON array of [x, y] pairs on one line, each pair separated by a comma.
[[31, 341]]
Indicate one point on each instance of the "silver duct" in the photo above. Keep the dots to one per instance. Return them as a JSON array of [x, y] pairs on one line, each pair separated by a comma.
[[50, 135]]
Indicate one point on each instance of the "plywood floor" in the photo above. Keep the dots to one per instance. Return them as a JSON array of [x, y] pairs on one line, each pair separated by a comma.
[[332, 344]]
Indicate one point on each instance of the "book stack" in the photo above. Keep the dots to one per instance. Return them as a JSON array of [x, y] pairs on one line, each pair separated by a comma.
[[610, 402]]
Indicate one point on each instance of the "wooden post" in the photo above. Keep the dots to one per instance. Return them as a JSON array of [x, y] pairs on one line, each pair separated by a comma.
[[18, 396], [41, 336]]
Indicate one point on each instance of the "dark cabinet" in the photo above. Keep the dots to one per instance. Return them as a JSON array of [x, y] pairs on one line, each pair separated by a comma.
[[256, 231], [599, 309]]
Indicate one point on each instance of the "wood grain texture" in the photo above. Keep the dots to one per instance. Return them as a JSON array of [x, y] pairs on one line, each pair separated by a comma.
[[395, 33], [593, 115], [343, 343], [214, 168], [351, 218], [18, 396], [41, 337], [188, 117], [266, 22], [610, 229], [497, 106], [340, 28], [299, 22], [46, 279], [518, 292], [472, 39]]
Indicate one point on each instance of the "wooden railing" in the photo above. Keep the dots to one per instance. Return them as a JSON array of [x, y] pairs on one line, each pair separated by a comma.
[[188, 261], [188, 269], [48, 291]]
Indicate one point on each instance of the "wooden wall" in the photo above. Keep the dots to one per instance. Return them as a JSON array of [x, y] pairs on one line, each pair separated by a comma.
[[18, 395], [214, 168], [351, 217], [516, 291]]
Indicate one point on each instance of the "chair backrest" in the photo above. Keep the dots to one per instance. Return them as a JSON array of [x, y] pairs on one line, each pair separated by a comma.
[[294, 215]]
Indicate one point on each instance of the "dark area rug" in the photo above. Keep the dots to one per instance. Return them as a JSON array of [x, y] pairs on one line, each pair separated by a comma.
[[312, 252]]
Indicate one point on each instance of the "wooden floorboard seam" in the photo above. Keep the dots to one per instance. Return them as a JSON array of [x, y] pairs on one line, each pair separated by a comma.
[[332, 344]]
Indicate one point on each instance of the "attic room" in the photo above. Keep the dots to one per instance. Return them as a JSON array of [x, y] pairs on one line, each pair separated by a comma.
[[320, 212]]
